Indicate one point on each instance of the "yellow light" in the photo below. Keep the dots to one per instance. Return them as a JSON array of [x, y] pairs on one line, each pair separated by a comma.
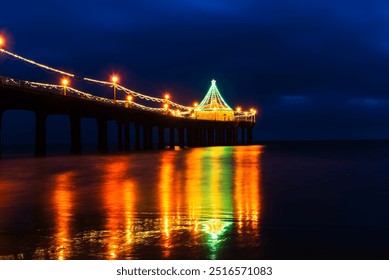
[[192, 115], [254, 111], [251, 110], [65, 82], [238, 109], [167, 96], [245, 113], [115, 79], [129, 97], [166, 106], [195, 104], [2, 41], [177, 111]]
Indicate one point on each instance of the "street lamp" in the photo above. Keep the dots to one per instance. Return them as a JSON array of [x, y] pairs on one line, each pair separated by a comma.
[[166, 106], [2, 41], [129, 99], [194, 107], [115, 79], [64, 82]]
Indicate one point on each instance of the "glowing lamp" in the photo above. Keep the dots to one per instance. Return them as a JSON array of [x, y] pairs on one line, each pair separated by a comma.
[[115, 79], [165, 106], [238, 109], [2, 41], [195, 104], [167, 96], [65, 82], [129, 98]]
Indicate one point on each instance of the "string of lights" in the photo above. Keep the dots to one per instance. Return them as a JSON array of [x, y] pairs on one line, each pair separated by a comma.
[[166, 110], [120, 102], [85, 95], [155, 99], [98, 81], [140, 95], [35, 63], [126, 90]]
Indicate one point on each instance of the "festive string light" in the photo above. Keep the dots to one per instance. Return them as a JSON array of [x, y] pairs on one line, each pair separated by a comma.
[[140, 95], [35, 63], [97, 81], [130, 93]]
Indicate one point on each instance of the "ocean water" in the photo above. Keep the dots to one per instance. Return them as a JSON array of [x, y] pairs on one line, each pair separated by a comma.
[[244, 202]]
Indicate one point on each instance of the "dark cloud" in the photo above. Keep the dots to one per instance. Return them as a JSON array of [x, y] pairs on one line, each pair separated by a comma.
[[316, 69]]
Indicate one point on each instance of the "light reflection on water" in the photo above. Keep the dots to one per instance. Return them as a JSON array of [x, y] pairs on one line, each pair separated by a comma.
[[199, 203]]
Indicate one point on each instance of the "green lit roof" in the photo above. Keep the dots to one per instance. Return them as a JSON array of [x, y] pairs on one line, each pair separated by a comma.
[[213, 101]]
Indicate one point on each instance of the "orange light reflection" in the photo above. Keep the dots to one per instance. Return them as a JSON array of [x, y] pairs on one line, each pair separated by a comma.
[[247, 194], [63, 204], [119, 194], [166, 202]]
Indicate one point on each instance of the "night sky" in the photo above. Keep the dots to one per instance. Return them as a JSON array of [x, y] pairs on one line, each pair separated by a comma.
[[316, 70]]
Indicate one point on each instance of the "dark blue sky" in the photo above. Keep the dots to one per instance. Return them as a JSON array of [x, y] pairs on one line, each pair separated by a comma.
[[315, 69]]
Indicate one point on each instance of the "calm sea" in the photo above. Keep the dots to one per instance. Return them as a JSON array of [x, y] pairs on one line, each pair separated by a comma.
[[247, 202]]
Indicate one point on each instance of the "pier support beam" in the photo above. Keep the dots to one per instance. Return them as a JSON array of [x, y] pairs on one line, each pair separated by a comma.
[[211, 136], [194, 137], [75, 135], [40, 133], [181, 137], [243, 135], [223, 136], [102, 140], [235, 136], [204, 136], [189, 136], [147, 137], [171, 137], [200, 136], [217, 136], [228, 136], [161, 137], [250, 135], [126, 136], [119, 125], [1, 123], [150, 141], [137, 136]]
